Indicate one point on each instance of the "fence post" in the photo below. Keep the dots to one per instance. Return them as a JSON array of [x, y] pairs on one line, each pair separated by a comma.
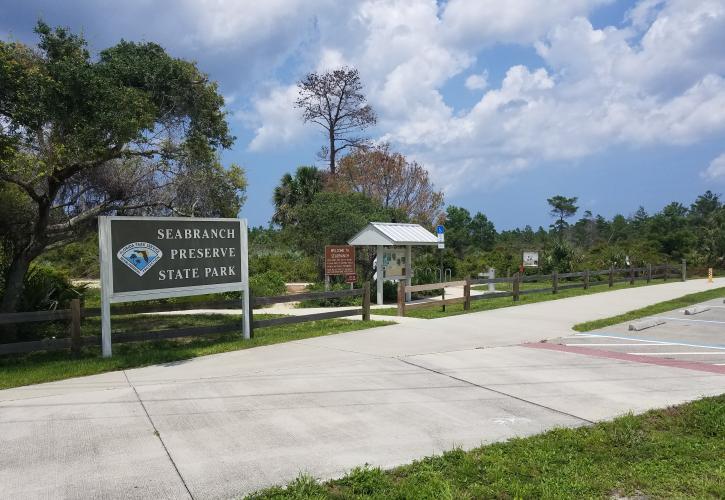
[[611, 276], [366, 302], [516, 287], [554, 282], [467, 294], [667, 271], [443, 296], [401, 298], [649, 273], [684, 270], [586, 279], [491, 275], [75, 326], [631, 274], [250, 308]]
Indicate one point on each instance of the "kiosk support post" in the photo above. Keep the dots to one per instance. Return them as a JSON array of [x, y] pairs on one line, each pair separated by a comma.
[[381, 278], [408, 271]]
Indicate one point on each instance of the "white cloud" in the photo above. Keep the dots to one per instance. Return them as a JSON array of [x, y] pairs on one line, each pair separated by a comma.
[[475, 23], [716, 169], [658, 79], [282, 121], [477, 81]]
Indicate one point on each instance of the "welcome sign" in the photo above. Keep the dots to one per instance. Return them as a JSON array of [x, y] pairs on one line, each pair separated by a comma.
[[156, 254], [145, 258]]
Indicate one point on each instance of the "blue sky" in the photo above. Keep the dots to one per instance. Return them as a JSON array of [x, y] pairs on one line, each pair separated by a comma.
[[506, 102]]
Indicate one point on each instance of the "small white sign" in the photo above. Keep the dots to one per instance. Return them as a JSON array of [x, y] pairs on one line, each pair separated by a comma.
[[531, 259]]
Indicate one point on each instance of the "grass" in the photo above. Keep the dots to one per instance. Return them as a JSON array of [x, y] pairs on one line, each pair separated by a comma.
[[33, 368], [678, 452], [435, 311], [669, 305]]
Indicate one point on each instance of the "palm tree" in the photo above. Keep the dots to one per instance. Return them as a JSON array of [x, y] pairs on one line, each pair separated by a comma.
[[294, 191]]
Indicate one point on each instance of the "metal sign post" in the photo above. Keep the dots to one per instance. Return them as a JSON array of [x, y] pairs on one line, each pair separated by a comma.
[[145, 258]]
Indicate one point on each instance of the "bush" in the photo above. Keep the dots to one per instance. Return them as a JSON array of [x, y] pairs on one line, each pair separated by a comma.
[[293, 266], [45, 288], [266, 284], [78, 259], [337, 302]]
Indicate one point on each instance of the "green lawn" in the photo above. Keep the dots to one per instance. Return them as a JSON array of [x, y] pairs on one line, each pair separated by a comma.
[[17, 370], [669, 305], [678, 452], [435, 311]]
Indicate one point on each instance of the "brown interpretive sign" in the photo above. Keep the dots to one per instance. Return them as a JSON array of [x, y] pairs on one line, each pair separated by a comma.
[[339, 260]]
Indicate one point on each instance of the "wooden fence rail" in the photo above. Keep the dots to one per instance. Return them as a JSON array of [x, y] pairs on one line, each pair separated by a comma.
[[76, 313], [613, 275]]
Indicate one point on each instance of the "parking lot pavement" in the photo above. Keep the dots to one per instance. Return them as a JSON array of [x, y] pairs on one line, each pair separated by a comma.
[[223, 425], [697, 338]]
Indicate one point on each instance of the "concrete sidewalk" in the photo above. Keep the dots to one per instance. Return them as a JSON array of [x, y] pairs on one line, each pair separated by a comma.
[[223, 425]]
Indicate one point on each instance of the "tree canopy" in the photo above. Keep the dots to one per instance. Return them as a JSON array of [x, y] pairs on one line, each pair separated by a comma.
[[295, 190], [334, 101], [562, 208], [392, 180], [132, 130]]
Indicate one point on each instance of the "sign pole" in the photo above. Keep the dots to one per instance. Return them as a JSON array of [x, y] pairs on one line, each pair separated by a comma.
[[247, 313], [104, 243]]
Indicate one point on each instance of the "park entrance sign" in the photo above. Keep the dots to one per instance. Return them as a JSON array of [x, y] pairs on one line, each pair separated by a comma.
[[144, 258]]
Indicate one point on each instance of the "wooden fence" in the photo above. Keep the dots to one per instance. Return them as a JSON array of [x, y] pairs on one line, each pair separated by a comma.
[[75, 314], [588, 278]]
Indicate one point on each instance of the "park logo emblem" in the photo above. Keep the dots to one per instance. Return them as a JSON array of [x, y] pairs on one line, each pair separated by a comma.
[[139, 256]]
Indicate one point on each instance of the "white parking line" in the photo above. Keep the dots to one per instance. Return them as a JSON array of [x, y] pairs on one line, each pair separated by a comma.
[[692, 320], [619, 345], [658, 342], [673, 353]]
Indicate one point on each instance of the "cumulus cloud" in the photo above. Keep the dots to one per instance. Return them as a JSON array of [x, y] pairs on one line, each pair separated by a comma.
[[716, 169], [658, 77], [282, 121], [477, 81]]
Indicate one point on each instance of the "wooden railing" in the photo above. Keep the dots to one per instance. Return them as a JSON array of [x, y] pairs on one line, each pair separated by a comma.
[[75, 314], [614, 275]]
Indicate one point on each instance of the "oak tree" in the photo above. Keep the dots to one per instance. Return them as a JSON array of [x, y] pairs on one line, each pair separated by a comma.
[[125, 132]]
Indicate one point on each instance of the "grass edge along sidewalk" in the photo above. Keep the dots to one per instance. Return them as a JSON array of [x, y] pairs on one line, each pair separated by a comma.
[[660, 307], [434, 310], [39, 367], [675, 452]]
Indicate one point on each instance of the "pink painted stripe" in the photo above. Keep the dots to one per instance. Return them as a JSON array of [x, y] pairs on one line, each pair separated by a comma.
[[687, 365]]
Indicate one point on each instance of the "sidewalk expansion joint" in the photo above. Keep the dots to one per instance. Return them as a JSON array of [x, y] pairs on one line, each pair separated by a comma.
[[158, 435], [496, 391]]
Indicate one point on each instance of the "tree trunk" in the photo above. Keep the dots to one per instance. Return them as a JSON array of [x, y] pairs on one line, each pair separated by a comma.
[[14, 282], [332, 153], [13, 292]]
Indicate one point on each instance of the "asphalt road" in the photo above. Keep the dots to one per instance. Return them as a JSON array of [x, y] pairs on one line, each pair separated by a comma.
[[228, 424]]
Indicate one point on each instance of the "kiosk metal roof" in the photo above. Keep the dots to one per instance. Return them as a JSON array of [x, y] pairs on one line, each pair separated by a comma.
[[393, 234]]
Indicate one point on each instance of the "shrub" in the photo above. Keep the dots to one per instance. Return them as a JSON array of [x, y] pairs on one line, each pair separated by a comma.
[[266, 284], [293, 266], [46, 288], [78, 259], [341, 302]]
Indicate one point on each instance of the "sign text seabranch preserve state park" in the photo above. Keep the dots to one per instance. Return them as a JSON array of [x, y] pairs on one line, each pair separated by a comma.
[[163, 253]]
